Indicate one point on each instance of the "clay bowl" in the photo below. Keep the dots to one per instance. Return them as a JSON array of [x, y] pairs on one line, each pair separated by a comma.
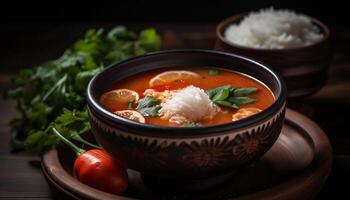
[[304, 69], [186, 155]]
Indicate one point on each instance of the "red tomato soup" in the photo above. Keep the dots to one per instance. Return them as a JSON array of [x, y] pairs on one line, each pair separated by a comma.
[[187, 96]]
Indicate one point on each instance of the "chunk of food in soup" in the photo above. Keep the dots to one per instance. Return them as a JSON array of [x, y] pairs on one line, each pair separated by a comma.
[[191, 96], [187, 105]]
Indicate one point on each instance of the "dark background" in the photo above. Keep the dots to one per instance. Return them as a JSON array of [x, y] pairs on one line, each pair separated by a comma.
[[332, 11], [35, 31]]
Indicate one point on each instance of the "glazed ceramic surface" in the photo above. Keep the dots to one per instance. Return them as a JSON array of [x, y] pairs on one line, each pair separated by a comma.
[[304, 69], [186, 153]]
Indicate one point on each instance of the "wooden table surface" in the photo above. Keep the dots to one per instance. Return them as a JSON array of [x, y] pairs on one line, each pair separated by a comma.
[[25, 45]]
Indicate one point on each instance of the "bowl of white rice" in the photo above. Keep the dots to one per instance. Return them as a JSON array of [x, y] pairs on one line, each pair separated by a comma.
[[295, 45]]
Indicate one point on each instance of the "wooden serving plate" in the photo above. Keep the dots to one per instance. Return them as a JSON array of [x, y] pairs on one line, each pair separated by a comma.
[[294, 168]]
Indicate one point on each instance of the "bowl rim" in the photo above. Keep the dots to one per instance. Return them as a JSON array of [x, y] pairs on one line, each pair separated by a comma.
[[221, 27], [166, 131]]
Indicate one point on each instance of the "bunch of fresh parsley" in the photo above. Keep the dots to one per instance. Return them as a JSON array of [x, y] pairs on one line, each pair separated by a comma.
[[53, 94]]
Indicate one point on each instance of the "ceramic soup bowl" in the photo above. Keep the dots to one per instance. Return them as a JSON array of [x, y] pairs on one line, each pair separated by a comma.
[[186, 153]]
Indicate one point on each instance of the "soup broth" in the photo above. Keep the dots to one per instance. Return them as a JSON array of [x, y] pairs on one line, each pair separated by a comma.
[[240, 97]]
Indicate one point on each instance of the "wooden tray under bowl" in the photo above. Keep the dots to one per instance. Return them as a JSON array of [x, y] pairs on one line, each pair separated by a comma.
[[296, 167]]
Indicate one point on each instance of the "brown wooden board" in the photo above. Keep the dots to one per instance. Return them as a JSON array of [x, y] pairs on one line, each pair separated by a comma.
[[294, 168]]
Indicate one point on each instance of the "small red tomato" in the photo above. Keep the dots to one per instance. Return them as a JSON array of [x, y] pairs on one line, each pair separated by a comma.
[[100, 170]]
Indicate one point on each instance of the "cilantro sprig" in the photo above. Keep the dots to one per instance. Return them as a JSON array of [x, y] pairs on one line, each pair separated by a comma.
[[53, 93], [148, 106]]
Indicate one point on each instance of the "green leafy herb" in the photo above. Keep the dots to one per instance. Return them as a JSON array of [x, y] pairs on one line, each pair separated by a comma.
[[150, 111], [147, 42], [232, 97], [221, 94], [130, 104], [44, 91], [238, 92], [226, 104], [70, 123], [241, 100], [213, 92], [148, 101], [213, 72], [148, 106]]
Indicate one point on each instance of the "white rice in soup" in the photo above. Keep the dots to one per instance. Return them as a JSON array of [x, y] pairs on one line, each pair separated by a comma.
[[190, 104], [274, 29]]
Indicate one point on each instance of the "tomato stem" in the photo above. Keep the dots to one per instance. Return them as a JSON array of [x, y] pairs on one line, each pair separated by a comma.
[[80, 139], [76, 149]]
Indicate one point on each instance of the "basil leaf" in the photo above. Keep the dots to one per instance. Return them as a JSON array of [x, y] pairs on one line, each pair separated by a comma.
[[231, 97], [213, 72], [212, 92], [241, 100], [226, 104], [149, 111], [221, 95], [147, 102], [238, 92]]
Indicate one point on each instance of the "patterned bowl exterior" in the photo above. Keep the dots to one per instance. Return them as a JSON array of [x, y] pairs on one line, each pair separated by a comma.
[[193, 157], [191, 152]]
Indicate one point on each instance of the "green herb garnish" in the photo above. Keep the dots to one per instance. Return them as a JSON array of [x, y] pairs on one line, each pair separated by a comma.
[[72, 124], [238, 92], [150, 111], [44, 91], [148, 106], [147, 101], [232, 97], [241, 100], [213, 72], [130, 104], [213, 92], [226, 104]]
